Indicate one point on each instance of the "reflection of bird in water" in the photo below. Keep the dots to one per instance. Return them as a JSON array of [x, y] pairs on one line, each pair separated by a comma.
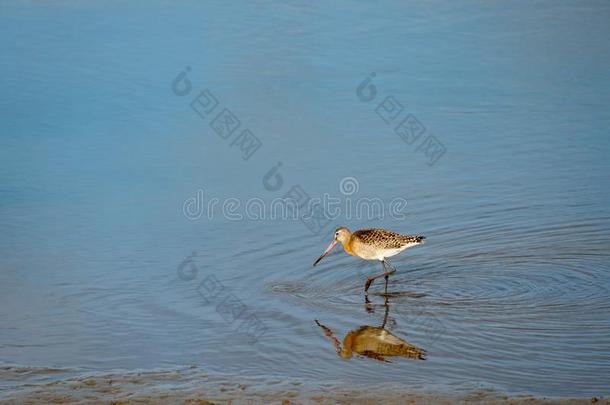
[[374, 342], [373, 244]]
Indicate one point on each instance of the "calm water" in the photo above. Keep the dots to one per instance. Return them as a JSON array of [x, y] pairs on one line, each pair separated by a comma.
[[511, 290]]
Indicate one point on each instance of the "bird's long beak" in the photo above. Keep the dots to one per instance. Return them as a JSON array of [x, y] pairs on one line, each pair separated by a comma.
[[328, 249]]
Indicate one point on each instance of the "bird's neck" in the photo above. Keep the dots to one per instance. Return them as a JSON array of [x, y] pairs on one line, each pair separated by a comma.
[[347, 246]]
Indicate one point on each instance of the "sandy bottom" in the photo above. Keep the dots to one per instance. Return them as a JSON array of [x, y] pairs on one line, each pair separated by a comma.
[[194, 387]]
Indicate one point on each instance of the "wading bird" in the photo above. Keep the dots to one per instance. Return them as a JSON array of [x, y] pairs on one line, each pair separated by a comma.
[[373, 244]]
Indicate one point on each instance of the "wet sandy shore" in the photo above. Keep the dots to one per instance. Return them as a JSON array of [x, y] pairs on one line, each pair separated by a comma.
[[192, 386]]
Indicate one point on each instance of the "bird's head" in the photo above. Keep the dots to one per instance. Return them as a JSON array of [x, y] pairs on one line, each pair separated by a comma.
[[342, 234]]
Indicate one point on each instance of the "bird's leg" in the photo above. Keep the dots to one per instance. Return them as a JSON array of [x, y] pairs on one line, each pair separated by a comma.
[[391, 270], [368, 283], [373, 278], [389, 265], [386, 273]]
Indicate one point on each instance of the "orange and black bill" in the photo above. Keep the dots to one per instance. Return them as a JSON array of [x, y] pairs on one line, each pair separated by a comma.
[[328, 249]]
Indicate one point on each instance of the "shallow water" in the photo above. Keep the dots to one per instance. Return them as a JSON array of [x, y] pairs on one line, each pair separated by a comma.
[[100, 156]]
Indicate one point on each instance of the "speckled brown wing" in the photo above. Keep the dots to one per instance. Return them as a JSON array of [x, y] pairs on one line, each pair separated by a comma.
[[380, 238]]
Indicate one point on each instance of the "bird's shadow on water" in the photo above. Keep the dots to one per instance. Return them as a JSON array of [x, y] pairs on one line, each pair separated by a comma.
[[374, 342]]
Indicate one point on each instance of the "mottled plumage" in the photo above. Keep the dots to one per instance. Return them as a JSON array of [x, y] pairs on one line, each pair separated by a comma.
[[382, 239]]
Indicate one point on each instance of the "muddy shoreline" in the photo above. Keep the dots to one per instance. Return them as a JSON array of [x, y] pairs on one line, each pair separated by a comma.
[[192, 386]]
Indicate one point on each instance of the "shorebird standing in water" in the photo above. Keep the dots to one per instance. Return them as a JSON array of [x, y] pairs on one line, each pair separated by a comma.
[[373, 244]]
